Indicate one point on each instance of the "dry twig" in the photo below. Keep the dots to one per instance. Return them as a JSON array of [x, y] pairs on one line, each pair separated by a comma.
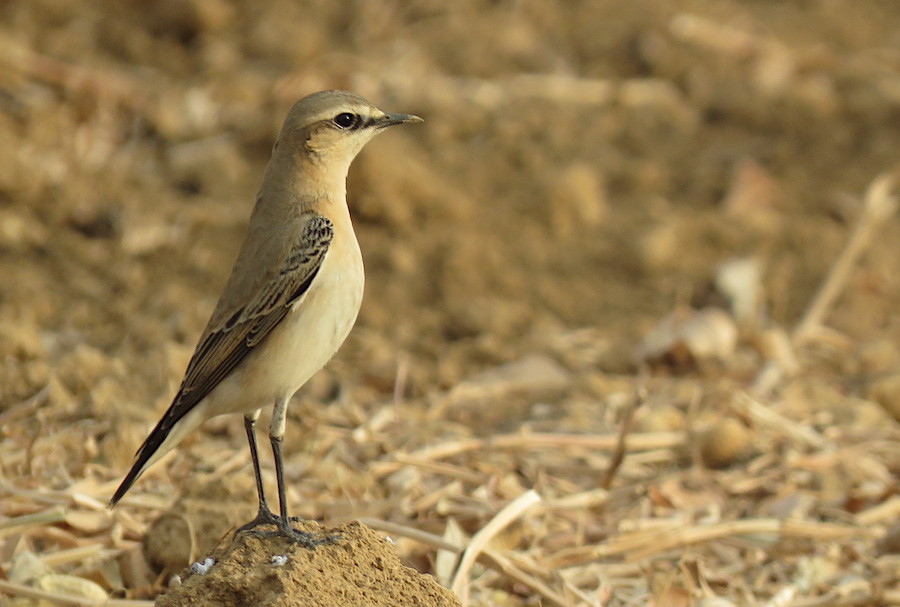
[[13, 589], [878, 206], [540, 440], [746, 405], [480, 540]]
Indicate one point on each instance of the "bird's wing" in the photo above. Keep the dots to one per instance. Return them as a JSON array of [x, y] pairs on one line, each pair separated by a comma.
[[224, 346], [228, 344]]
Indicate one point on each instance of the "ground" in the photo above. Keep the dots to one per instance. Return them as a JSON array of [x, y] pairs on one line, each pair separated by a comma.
[[594, 272]]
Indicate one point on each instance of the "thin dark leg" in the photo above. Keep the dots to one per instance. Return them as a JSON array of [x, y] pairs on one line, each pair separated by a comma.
[[249, 424], [279, 477], [283, 522], [304, 538], [264, 516]]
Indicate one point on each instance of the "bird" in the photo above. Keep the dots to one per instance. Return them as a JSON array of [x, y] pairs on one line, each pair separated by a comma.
[[293, 295]]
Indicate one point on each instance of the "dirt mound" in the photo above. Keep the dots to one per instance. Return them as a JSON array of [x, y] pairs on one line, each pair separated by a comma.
[[360, 568]]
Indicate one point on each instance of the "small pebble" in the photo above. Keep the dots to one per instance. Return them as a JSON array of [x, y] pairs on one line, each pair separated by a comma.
[[724, 443], [201, 567]]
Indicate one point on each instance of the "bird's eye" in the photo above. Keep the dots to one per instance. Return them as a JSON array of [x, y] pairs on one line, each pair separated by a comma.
[[346, 120]]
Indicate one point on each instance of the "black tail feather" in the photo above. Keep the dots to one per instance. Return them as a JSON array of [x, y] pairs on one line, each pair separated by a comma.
[[143, 455]]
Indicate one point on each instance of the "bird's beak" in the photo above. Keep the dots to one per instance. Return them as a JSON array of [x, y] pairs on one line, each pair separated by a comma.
[[392, 119]]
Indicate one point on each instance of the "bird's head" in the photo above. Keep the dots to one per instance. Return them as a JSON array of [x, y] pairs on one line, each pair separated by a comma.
[[333, 126]]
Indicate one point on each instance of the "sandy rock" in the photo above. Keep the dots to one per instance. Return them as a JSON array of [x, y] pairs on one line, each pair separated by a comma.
[[360, 568], [204, 514], [169, 544]]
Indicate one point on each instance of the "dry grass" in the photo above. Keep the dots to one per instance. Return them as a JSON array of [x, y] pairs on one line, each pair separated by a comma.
[[800, 518]]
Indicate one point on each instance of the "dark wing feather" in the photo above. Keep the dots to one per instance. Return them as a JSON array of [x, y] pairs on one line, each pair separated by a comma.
[[221, 351], [227, 345]]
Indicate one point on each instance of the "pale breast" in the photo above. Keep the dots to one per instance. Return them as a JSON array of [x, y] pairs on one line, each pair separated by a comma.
[[305, 340], [314, 329]]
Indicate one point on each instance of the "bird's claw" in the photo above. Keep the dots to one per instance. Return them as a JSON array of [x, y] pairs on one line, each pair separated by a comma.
[[304, 538], [263, 517]]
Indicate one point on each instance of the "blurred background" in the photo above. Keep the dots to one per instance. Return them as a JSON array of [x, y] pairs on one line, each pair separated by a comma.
[[585, 172]]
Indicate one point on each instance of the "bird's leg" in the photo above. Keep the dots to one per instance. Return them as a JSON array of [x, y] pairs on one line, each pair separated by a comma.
[[249, 424], [264, 516], [276, 435]]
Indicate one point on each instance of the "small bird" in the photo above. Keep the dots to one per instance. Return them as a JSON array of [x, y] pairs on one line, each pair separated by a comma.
[[293, 294]]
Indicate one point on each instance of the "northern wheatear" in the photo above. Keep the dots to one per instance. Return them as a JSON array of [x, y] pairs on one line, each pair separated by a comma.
[[293, 294]]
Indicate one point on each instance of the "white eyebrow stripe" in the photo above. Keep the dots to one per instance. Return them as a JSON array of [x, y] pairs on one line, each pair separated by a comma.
[[364, 112]]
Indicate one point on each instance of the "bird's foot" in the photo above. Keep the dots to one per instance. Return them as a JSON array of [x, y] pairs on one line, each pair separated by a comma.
[[283, 528], [305, 538], [263, 517]]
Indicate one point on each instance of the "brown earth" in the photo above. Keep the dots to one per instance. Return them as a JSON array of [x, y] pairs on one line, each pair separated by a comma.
[[585, 169], [359, 568]]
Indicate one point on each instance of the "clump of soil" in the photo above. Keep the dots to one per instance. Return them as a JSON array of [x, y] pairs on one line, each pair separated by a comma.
[[360, 568], [196, 522]]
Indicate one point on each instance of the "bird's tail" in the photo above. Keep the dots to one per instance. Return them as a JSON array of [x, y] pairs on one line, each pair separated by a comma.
[[166, 435]]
